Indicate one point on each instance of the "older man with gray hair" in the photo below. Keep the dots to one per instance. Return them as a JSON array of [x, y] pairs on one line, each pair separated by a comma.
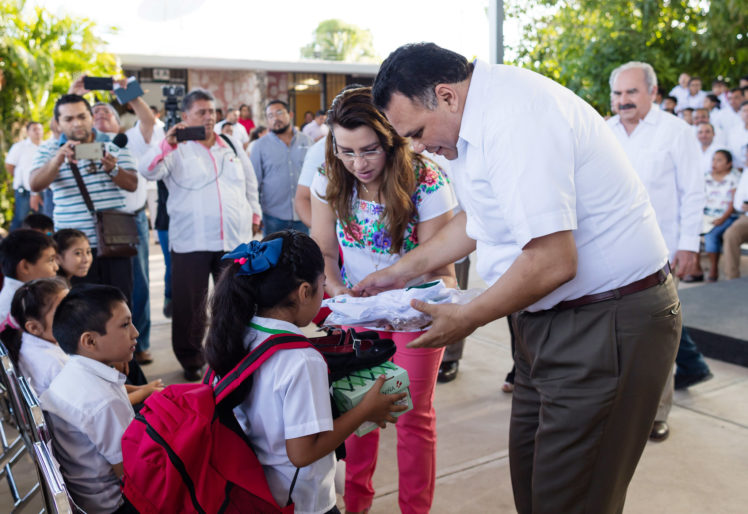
[[662, 150]]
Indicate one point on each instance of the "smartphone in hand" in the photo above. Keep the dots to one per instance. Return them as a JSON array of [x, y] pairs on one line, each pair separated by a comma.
[[89, 151], [196, 133], [98, 83]]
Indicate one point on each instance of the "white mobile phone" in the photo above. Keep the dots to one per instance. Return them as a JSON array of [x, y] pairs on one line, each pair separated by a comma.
[[89, 151]]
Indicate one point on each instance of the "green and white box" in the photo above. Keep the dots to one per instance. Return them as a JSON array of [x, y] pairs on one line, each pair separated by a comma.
[[349, 391]]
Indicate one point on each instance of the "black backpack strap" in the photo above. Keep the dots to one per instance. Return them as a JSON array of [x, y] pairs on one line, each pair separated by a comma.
[[249, 364], [228, 142]]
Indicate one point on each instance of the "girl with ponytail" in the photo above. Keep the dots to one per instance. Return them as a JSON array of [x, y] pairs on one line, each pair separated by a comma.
[[275, 286]]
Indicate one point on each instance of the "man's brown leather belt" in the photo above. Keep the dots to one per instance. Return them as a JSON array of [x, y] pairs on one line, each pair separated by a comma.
[[656, 278]]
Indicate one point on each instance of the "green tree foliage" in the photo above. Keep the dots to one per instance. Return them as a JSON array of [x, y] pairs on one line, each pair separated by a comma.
[[579, 42], [335, 40], [39, 55]]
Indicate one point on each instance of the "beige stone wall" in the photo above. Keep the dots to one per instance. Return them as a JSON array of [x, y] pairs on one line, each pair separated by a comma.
[[233, 88]]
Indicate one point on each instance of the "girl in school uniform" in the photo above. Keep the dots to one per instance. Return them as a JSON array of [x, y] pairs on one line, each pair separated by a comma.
[[270, 287]]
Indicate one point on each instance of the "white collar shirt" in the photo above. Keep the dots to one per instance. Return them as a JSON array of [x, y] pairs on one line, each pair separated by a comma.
[[315, 131], [705, 156], [10, 286], [40, 361], [729, 118], [140, 150], [680, 93], [21, 155], [88, 411], [523, 178], [213, 198], [238, 132], [289, 398], [737, 143], [741, 195], [664, 155], [693, 101]]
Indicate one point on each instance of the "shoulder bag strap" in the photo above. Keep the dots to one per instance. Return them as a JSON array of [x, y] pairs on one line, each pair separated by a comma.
[[228, 142], [82, 187]]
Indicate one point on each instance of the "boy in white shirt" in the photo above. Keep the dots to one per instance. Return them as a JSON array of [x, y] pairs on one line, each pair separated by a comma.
[[87, 405]]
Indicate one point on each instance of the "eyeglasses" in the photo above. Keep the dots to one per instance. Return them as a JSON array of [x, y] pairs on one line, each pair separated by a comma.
[[350, 157], [277, 114]]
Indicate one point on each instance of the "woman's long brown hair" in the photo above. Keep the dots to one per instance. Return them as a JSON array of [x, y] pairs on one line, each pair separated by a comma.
[[352, 109]]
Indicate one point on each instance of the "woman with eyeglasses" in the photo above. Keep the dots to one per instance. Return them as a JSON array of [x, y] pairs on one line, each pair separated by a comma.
[[376, 200]]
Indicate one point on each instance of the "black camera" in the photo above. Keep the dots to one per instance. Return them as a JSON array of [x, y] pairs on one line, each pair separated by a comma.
[[171, 104]]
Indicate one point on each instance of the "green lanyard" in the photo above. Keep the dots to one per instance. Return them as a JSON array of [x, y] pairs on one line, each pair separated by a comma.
[[270, 330]]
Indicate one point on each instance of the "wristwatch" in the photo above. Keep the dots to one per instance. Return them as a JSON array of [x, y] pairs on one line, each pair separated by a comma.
[[114, 172]]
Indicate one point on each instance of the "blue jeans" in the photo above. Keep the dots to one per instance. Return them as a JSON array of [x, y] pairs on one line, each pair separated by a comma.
[[688, 360], [163, 240], [48, 207], [272, 224], [22, 207], [141, 298], [713, 238]]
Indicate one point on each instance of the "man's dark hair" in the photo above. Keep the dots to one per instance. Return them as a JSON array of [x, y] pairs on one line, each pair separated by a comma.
[[28, 125], [87, 308], [193, 96], [70, 99], [321, 112], [39, 222], [714, 99], [22, 244], [669, 97], [736, 90], [695, 78], [280, 102], [414, 71]]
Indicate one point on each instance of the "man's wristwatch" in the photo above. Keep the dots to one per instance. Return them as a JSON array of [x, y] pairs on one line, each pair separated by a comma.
[[114, 172]]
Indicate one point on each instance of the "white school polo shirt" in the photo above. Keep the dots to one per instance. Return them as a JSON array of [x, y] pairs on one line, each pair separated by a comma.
[[88, 411], [663, 153], [289, 399], [535, 159], [40, 361]]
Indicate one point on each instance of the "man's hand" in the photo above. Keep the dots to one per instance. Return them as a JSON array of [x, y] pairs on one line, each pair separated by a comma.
[[171, 135], [35, 202], [379, 281], [108, 162], [66, 152], [77, 88], [684, 262], [449, 325]]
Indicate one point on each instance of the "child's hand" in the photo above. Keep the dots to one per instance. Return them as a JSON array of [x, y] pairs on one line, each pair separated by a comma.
[[378, 407], [152, 387]]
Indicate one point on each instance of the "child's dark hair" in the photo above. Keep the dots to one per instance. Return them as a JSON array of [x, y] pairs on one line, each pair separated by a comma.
[[237, 298], [39, 222], [86, 308], [66, 237], [22, 244], [31, 301]]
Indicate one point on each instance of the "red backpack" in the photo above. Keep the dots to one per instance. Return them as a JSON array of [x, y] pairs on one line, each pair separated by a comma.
[[180, 454]]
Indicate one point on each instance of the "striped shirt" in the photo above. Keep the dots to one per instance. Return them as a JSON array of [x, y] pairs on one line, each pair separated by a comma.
[[70, 210]]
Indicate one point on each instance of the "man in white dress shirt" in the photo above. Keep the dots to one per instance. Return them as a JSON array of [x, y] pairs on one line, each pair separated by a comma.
[[695, 97], [680, 92], [564, 231], [706, 145], [238, 132], [737, 138], [662, 151]]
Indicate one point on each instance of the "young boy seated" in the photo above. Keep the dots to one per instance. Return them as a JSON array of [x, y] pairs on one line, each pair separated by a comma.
[[87, 405], [39, 222], [24, 255]]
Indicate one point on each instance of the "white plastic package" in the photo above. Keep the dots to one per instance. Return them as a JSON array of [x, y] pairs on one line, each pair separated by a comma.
[[391, 310]]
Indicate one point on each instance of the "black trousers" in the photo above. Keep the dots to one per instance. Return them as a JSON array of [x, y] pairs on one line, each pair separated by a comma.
[[110, 271], [190, 273]]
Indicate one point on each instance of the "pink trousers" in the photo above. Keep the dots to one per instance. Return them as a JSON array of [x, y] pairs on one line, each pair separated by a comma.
[[416, 437]]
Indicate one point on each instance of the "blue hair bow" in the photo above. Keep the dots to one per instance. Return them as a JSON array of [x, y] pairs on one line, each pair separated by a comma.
[[256, 257]]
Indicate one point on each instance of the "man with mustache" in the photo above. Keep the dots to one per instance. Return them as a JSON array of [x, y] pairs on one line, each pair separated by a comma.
[[277, 159], [664, 156]]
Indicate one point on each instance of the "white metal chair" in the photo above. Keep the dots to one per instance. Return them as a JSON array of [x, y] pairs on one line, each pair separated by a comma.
[[56, 496]]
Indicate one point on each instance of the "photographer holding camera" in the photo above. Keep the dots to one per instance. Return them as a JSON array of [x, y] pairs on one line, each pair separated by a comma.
[[213, 206], [106, 173]]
